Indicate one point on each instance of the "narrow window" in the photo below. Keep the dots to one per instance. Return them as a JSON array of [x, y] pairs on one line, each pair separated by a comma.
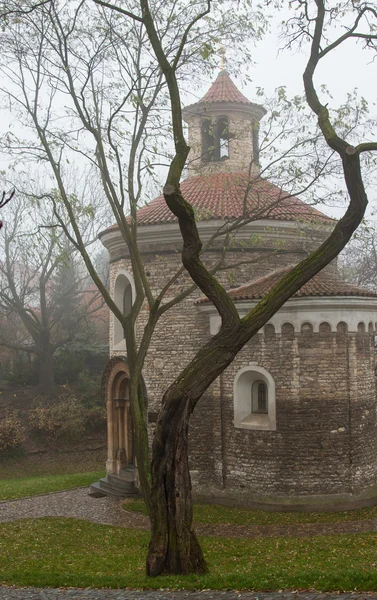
[[255, 133], [262, 397], [208, 141], [223, 138], [259, 399], [127, 300]]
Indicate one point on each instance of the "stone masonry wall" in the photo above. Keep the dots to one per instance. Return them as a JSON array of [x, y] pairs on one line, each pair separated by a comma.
[[240, 145], [325, 440], [178, 335]]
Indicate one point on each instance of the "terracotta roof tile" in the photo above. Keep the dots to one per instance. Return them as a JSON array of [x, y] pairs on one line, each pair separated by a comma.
[[322, 284], [222, 196], [224, 90]]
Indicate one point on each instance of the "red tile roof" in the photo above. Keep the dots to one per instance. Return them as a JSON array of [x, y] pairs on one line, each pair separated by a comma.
[[224, 90], [222, 196], [322, 284]]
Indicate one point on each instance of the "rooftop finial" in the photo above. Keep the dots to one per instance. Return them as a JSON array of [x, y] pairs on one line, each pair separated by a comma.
[[222, 56]]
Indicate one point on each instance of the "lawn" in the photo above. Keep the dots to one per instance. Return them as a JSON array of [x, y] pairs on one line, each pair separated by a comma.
[[221, 515], [69, 552], [32, 486]]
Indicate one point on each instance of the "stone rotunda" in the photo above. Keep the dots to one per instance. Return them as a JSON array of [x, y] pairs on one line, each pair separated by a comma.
[[291, 423]]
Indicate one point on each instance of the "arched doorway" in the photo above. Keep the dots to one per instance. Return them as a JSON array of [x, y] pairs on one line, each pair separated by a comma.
[[120, 448]]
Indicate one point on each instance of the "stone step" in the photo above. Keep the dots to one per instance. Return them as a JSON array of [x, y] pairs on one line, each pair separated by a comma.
[[112, 485], [112, 481], [95, 491], [124, 475]]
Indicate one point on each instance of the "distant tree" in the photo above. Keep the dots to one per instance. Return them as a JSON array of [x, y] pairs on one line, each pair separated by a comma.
[[42, 285], [4, 200], [358, 262]]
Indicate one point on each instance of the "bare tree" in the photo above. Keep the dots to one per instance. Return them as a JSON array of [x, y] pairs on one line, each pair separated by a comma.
[[174, 546], [114, 97], [42, 287], [148, 49]]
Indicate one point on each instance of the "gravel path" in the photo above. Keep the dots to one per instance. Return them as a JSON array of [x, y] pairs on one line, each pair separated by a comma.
[[72, 503], [7, 593], [108, 511]]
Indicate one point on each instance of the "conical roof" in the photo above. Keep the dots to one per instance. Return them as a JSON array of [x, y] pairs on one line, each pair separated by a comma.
[[322, 284], [224, 90]]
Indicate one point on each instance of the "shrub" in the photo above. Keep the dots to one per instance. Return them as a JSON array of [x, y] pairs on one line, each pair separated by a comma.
[[89, 387], [63, 420], [12, 432]]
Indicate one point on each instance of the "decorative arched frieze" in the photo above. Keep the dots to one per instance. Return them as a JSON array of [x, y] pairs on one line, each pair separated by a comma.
[[306, 328], [324, 328], [254, 399], [288, 330], [315, 310]]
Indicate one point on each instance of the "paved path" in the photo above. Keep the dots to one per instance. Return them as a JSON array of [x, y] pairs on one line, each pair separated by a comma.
[[108, 511], [7, 593]]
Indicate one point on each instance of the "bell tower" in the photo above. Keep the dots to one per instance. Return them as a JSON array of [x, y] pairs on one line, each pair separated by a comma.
[[223, 130]]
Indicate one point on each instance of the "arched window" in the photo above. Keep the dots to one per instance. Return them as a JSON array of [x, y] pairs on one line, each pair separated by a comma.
[[259, 397], [208, 140], [255, 134], [222, 138], [123, 298], [215, 139], [254, 399]]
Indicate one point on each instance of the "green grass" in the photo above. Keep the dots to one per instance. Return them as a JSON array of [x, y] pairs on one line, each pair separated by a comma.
[[32, 486], [69, 552], [221, 515]]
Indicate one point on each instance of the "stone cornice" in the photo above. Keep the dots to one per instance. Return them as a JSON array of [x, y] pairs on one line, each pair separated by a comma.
[[351, 310], [167, 234]]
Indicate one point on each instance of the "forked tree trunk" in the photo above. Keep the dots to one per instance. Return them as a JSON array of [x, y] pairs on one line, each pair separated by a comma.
[[174, 546]]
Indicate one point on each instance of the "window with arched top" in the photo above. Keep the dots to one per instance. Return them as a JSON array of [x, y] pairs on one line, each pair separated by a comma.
[[208, 140], [123, 298], [222, 128], [215, 139], [254, 399], [259, 397]]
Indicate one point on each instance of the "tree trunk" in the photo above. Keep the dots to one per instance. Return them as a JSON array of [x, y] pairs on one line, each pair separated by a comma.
[[174, 547], [46, 373]]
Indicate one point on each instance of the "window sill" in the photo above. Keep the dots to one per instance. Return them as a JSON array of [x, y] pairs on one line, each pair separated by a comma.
[[256, 421], [120, 347]]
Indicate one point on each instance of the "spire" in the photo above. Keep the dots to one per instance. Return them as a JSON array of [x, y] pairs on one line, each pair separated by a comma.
[[224, 90]]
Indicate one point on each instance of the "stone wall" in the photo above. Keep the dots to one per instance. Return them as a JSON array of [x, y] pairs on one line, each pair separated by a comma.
[[326, 437], [325, 440], [241, 126]]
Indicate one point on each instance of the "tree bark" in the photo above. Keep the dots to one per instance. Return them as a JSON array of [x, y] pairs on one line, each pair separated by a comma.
[[46, 376], [174, 546]]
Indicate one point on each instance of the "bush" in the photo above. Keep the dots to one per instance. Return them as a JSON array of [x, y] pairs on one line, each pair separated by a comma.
[[89, 387], [66, 419], [12, 433]]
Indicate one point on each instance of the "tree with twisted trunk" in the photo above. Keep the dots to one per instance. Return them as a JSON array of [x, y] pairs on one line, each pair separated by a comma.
[[150, 48], [174, 547]]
